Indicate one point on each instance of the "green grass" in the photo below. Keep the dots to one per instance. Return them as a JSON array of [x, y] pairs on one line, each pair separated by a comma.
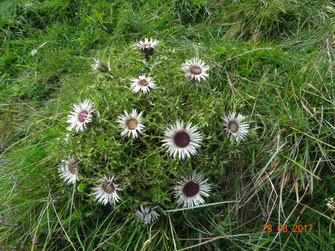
[[272, 61]]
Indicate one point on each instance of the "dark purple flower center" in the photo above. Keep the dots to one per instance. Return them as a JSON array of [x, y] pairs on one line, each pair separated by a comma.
[[196, 70], [233, 126], [143, 82], [72, 168], [190, 189], [132, 124], [82, 116], [108, 187], [182, 139], [146, 45]]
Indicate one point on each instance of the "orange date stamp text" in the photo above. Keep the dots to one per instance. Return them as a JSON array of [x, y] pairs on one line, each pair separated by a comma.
[[285, 228]]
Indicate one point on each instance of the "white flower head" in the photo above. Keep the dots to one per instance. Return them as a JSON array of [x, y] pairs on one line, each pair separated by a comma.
[[68, 170], [106, 191], [182, 141], [235, 127], [100, 66], [195, 69], [29, 4], [190, 190], [146, 46], [81, 115], [131, 123], [146, 214], [143, 84], [331, 203]]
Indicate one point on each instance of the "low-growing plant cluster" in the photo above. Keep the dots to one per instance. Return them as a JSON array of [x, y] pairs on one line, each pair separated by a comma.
[[181, 140]]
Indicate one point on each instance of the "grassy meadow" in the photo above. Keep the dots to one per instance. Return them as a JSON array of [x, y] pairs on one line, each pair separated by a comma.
[[272, 61]]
